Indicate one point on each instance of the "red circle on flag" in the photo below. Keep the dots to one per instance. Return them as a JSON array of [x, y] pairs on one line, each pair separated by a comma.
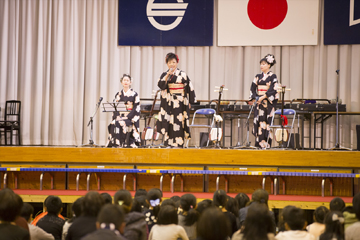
[[267, 14]]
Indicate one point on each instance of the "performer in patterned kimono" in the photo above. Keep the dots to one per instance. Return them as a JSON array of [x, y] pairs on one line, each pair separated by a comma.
[[125, 124], [176, 96], [264, 94]]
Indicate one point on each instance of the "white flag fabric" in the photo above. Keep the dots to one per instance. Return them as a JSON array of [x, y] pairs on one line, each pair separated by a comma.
[[268, 22]]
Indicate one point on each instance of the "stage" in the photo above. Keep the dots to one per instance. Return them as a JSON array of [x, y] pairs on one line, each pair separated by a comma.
[[301, 191]]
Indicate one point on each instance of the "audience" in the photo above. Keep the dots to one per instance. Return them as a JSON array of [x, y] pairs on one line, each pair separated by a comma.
[[257, 225], [41, 215], [167, 227], [353, 231], [337, 204], [188, 216], [86, 223], [36, 233], [318, 227], [76, 209], [107, 198], [334, 230], [242, 200], [233, 207], [203, 205], [136, 227], [295, 225], [139, 204], [51, 223], [220, 200], [213, 225], [10, 207], [154, 198], [110, 224], [259, 196], [349, 216]]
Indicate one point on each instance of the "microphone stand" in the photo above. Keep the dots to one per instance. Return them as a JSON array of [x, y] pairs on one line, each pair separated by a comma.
[[337, 144], [248, 143], [91, 141]]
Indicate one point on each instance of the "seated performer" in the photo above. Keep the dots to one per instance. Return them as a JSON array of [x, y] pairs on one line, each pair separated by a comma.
[[125, 125], [264, 94], [176, 96]]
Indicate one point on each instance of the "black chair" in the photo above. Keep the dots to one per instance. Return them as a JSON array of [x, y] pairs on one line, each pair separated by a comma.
[[11, 120]]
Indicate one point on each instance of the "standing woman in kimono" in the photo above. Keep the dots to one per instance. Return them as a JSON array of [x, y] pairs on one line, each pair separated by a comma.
[[176, 96], [264, 94], [125, 124]]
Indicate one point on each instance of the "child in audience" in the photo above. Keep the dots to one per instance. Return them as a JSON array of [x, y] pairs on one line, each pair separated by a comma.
[[166, 227], [107, 198], [76, 208], [86, 223], [353, 231], [36, 233], [349, 216], [258, 224], [188, 216], [203, 205], [136, 227], [233, 207], [51, 223], [10, 207], [110, 224], [318, 227], [242, 199], [220, 200], [213, 225], [334, 229], [41, 215], [139, 204], [154, 198], [337, 204], [295, 225]]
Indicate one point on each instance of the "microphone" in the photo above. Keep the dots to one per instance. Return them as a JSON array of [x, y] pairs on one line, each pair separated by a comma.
[[171, 69], [337, 71], [101, 98]]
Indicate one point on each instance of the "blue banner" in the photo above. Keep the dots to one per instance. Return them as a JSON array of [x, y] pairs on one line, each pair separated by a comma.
[[342, 22], [166, 22]]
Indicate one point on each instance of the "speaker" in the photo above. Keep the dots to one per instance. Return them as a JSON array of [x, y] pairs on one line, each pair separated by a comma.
[[358, 136]]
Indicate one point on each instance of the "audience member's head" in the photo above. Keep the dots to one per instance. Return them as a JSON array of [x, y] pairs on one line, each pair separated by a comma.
[[232, 206], [334, 226], [27, 212], [281, 223], [139, 204], [168, 202], [337, 204], [167, 215], [176, 200], [154, 199], [213, 225], [242, 200], [356, 205], [54, 205], [111, 217], [258, 222], [203, 205], [91, 204], [294, 218], [220, 198], [188, 205], [320, 213], [107, 198], [140, 192], [10, 205], [260, 196], [44, 206], [76, 207], [124, 199]]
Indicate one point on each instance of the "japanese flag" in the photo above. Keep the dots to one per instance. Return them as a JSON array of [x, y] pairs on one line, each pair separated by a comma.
[[268, 22]]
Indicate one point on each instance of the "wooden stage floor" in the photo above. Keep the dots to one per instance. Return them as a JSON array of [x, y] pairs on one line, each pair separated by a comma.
[[183, 157]]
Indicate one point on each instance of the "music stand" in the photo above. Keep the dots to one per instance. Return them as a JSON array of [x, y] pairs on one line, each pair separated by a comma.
[[116, 107]]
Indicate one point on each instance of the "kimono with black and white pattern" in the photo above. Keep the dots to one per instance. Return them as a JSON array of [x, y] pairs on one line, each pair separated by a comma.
[[264, 111], [173, 118], [117, 129]]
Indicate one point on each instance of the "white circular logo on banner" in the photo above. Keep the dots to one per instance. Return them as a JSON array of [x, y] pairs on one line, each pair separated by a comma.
[[165, 10]]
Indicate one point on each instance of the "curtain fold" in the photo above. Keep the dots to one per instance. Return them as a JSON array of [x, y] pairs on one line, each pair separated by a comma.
[[59, 57]]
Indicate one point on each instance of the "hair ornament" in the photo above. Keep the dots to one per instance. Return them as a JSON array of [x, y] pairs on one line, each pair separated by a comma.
[[167, 55], [121, 202], [335, 217], [220, 207], [191, 206], [110, 226], [270, 58], [155, 202]]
